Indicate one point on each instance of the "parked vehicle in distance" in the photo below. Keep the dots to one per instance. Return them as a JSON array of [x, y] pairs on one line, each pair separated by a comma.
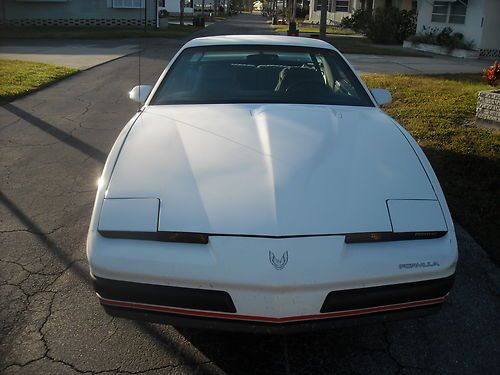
[[261, 188]]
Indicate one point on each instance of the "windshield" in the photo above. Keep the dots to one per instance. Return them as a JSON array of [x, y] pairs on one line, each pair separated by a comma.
[[260, 74]]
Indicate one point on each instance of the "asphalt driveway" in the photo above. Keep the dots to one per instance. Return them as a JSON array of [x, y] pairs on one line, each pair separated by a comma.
[[52, 148]]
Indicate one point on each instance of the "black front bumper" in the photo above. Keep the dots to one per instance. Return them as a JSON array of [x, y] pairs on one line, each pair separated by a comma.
[[211, 309], [268, 328]]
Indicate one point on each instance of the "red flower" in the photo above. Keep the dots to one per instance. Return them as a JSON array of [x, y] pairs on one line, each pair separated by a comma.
[[492, 74]]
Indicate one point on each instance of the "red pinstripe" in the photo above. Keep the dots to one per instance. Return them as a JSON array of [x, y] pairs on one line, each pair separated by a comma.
[[266, 319]]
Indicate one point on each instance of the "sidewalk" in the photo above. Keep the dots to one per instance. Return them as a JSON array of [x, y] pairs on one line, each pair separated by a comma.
[[79, 54], [84, 54], [431, 64]]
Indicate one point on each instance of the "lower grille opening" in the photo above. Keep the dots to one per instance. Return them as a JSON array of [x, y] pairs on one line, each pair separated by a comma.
[[351, 299], [171, 296]]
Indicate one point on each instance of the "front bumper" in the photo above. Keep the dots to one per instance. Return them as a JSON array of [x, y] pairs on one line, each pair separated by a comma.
[[214, 309], [197, 322]]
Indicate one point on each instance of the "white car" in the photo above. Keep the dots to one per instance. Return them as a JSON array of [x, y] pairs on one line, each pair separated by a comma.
[[260, 187]]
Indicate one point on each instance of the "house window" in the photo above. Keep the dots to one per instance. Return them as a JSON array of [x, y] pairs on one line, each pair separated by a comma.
[[334, 6], [128, 3], [449, 12], [318, 5], [439, 11], [342, 6], [457, 12]]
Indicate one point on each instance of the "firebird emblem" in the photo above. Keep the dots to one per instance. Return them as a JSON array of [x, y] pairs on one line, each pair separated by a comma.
[[279, 264]]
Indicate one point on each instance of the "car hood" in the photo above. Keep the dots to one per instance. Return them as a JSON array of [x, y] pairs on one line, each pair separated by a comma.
[[273, 169]]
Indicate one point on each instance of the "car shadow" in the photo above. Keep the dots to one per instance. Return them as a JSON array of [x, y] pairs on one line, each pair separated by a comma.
[[471, 187], [322, 352]]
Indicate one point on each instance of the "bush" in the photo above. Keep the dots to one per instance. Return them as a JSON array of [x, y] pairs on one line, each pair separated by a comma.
[[301, 13], [391, 26], [492, 74], [358, 21], [442, 37]]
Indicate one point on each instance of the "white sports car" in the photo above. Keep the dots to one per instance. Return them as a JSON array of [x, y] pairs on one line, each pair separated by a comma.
[[261, 187]]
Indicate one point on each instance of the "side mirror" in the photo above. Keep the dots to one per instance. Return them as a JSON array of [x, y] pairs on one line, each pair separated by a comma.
[[140, 93], [382, 96]]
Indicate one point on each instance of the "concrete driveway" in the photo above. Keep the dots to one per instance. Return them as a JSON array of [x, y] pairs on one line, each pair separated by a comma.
[[52, 148]]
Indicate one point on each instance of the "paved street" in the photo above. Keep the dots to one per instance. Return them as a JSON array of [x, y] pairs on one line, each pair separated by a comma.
[[85, 54], [52, 148]]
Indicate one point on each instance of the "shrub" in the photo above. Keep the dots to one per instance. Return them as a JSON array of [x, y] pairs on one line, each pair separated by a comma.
[[385, 25], [492, 74], [391, 26], [301, 13], [442, 37], [407, 25], [358, 21]]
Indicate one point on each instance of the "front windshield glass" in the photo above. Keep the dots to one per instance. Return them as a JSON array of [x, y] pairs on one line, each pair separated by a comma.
[[260, 74]]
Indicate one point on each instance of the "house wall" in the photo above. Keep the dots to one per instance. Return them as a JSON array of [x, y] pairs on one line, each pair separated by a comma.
[[471, 29], [490, 41], [332, 17], [402, 4], [174, 7], [74, 13]]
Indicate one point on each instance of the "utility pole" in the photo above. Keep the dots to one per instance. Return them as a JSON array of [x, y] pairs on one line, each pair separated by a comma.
[[292, 24], [322, 20], [275, 12], [157, 15], [181, 12], [145, 15]]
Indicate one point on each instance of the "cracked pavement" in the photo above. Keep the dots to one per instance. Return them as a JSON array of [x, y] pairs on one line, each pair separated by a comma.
[[52, 148]]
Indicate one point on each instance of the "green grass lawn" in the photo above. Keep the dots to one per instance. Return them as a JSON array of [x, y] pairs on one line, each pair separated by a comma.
[[346, 44], [313, 29], [173, 31], [438, 111], [19, 78]]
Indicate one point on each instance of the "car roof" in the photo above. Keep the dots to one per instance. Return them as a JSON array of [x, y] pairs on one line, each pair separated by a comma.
[[272, 40]]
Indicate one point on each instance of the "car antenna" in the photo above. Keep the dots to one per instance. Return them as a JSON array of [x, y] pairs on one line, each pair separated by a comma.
[[139, 53], [140, 48]]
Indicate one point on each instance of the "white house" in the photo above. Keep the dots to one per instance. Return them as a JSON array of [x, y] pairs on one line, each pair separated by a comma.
[[477, 20], [338, 9], [173, 6], [105, 13]]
